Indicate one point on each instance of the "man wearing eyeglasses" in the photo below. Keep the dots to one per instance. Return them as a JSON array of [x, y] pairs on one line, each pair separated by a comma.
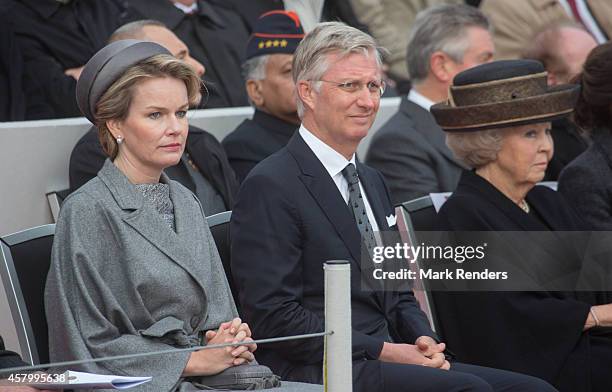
[[312, 201], [410, 149]]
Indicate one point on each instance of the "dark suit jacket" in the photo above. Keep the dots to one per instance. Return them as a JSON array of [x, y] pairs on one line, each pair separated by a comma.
[[87, 159], [251, 10], [537, 333], [54, 37], [254, 140], [586, 184], [216, 36], [290, 218], [12, 100], [410, 151]]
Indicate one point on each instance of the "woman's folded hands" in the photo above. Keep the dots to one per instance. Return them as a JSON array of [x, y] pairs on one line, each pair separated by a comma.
[[213, 361]]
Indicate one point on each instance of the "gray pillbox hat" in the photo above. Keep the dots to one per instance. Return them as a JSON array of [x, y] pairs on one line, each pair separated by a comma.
[[106, 66]]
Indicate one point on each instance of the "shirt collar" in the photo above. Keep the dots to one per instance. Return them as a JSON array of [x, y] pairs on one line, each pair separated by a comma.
[[420, 99], [188, 9], [173, 16], [273, 124], [331, 159], [566, 7]]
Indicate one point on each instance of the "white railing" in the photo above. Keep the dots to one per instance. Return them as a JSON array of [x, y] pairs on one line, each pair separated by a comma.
[[34, 158]]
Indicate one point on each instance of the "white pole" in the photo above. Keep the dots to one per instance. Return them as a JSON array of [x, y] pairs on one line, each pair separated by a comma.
[[337, 364]]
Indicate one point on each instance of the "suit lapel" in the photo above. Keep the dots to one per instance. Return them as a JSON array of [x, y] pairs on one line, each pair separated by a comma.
[[324, 191], [216, 37], [425, 124], [159, 10]]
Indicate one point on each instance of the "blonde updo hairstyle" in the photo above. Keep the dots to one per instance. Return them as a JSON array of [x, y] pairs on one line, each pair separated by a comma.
[[114, 104]]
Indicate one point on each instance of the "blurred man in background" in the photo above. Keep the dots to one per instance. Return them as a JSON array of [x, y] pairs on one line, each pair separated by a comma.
[[203, 168], [562, 48], [410, 149], [516, 22]]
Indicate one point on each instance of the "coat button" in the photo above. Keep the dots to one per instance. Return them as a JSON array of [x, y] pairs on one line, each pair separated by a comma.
[[195, 321]]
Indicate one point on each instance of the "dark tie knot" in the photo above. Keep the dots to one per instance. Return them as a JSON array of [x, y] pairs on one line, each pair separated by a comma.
[[350, 174]]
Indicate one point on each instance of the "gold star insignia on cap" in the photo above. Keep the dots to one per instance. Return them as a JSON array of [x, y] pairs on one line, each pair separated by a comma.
[[268, 44], [283, 43], [261, 45], [276, 43]]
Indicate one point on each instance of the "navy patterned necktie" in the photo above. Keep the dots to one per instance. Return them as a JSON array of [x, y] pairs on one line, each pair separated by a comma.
[[357, 205]]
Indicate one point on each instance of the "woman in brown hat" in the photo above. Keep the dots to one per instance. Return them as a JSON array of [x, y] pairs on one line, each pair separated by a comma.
[[134, 266], [498, 123], [586, 182]]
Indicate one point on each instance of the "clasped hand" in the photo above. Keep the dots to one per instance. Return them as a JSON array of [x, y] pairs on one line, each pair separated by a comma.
[[424, 352], [213, 361]]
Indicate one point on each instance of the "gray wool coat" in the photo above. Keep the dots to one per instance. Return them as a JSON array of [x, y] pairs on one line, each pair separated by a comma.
[[121, 281]]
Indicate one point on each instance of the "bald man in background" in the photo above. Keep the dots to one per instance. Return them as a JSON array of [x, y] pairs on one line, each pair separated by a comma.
[[203, 168], [562, 48]]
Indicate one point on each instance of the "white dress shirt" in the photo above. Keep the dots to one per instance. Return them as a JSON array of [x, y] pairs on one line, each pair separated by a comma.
[[419, 99], [188, 9], [588, 20], [334, 163]]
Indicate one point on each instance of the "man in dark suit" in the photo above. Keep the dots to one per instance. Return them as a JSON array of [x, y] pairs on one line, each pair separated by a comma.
[[56, 38], [204, 167], [267, 71], [291, 215], [410, 149], [215, 33], [12, 100]]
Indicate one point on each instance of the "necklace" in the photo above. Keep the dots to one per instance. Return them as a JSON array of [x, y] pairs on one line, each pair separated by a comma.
[[524, 206]]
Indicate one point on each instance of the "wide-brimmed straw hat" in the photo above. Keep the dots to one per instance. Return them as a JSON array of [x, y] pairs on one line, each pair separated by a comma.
[[502, 94]]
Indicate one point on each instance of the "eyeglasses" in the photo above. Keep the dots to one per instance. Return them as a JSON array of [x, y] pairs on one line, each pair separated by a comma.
[[376, 88]]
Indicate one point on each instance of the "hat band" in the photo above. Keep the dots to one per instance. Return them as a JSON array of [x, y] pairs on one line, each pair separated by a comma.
[[519, 87], [509, 122], [501, 81], [554, 103]]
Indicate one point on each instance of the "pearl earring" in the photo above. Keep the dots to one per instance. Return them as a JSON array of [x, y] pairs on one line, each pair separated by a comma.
[[119, 139]]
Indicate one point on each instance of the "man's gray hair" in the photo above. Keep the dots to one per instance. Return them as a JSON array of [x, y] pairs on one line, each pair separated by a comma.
[[255, 68], [133, 30], [309, 60], [441, 28]]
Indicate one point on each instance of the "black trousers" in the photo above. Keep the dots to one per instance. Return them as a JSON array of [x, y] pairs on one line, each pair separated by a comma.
[[377, 376], [460, 378]]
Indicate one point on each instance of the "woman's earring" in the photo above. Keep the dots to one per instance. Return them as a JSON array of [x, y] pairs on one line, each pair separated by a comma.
[[119, 139]]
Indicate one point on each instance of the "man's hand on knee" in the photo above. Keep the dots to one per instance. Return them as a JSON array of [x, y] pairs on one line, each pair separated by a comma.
[[428, 346], [411, 355]]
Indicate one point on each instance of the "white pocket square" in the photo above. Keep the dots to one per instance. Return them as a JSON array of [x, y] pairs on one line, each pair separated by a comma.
[[391, 220]]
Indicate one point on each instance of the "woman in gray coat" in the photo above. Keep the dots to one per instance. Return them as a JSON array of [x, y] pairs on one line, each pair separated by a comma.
[[587, 181], [134, 266]]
